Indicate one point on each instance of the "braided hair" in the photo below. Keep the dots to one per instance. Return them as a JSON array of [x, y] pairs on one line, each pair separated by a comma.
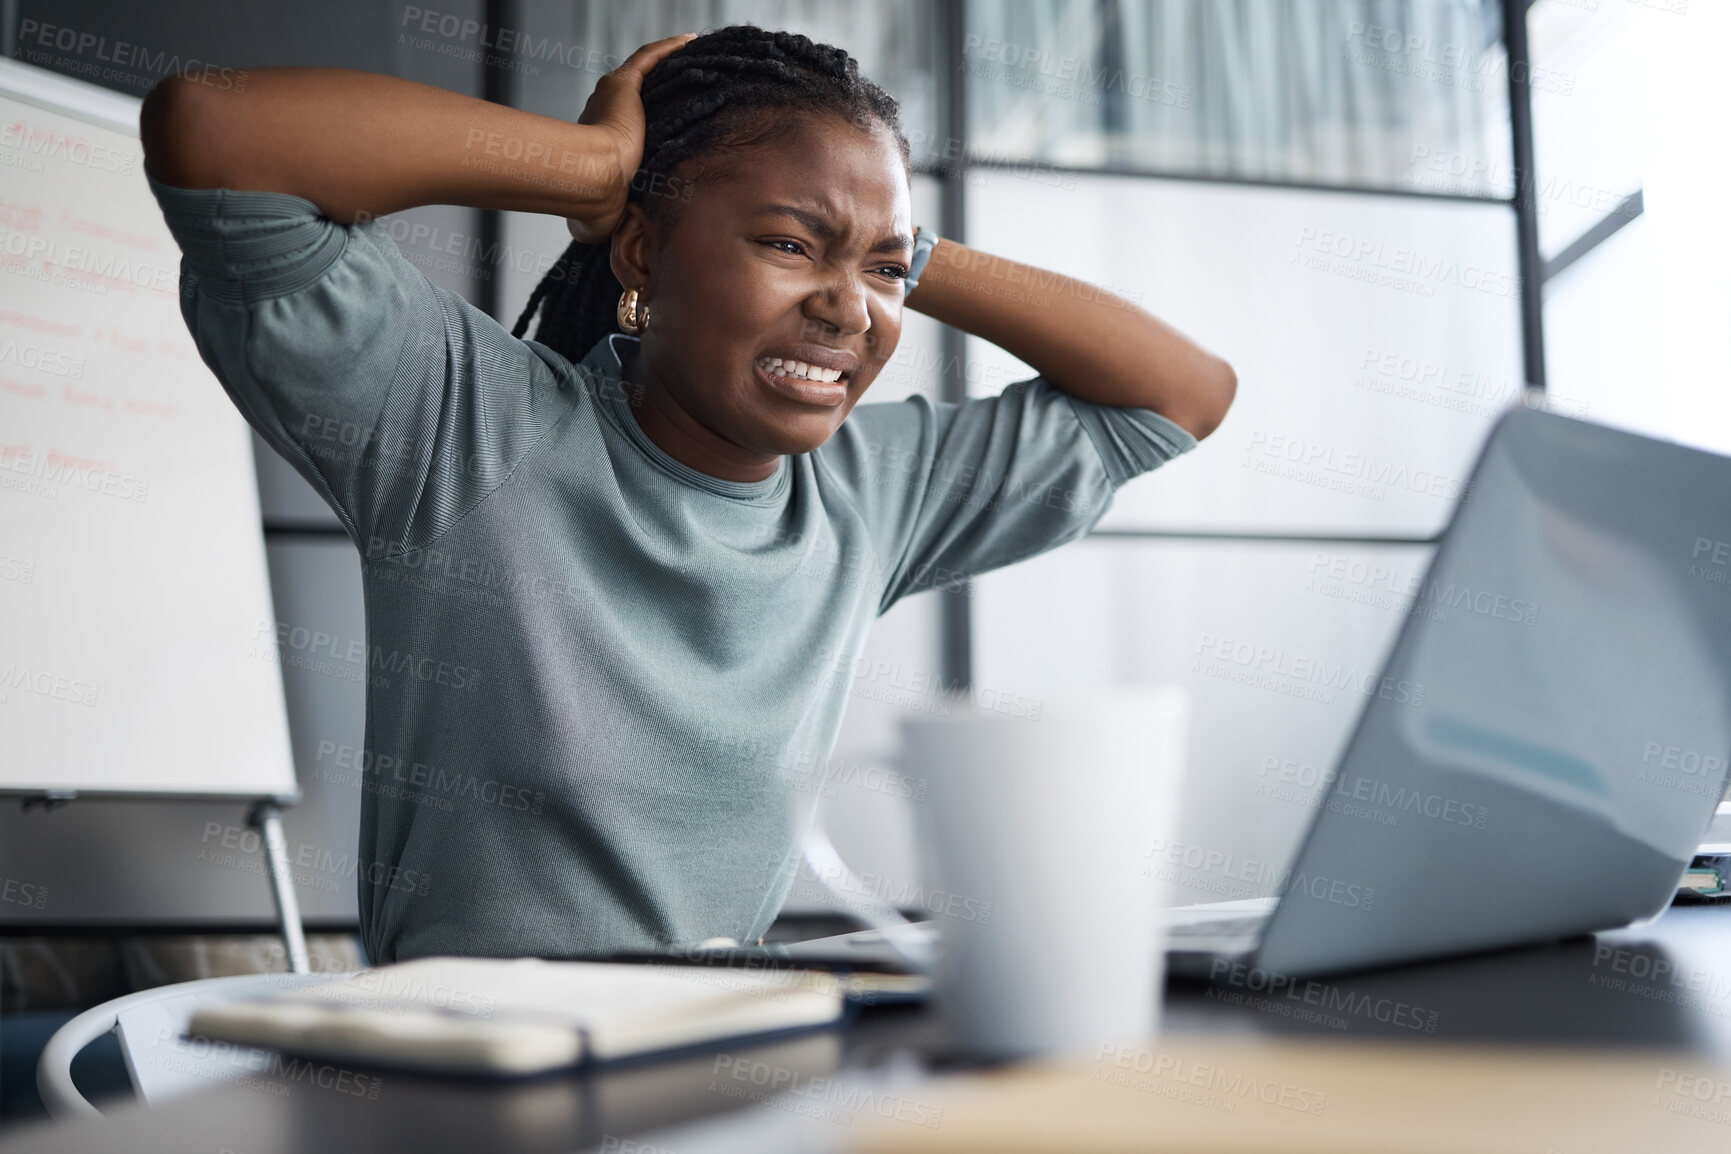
[[719, 91]]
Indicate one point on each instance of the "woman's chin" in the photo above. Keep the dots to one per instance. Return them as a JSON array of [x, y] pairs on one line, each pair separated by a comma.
[[801, 435]]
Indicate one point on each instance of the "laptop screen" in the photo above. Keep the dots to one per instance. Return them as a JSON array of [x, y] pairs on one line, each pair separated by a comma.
[[1549, 738]]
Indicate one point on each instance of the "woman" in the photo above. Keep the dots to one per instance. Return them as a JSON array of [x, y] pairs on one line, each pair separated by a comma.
[[611, 578]]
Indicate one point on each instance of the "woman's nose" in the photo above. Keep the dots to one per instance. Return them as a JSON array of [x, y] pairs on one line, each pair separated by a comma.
[[841, 306]]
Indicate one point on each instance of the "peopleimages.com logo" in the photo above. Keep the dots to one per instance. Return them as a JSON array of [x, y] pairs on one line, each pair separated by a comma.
[[1305, 676], [1354, 795]]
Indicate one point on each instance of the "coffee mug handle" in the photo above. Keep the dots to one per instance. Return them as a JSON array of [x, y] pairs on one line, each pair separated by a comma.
[[911, 942]]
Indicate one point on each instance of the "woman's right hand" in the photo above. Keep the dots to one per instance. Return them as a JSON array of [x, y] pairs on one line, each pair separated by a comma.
[[617, 106]]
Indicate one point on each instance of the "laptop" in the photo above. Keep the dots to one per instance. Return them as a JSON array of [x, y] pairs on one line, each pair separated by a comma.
[[1547, 744], [1562, 744]]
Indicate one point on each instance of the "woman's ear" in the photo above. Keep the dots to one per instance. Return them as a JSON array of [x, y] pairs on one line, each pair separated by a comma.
[[632, 248]]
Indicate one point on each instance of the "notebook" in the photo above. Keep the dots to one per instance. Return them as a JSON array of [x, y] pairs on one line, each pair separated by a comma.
[[515, 1016]]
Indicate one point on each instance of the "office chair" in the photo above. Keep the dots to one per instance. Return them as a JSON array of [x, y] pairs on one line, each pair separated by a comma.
[[161, 1063]]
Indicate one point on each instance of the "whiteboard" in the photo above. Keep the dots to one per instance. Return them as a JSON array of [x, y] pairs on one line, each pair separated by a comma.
[[137, 636]]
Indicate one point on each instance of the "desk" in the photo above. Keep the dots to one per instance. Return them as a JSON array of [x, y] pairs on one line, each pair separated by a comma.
[[1667, 985]]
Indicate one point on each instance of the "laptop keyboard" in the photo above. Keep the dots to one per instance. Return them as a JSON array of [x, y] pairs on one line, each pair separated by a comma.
[[1219, 928]]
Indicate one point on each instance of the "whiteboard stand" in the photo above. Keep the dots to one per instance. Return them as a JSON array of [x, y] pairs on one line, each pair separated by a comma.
[[264, 815]]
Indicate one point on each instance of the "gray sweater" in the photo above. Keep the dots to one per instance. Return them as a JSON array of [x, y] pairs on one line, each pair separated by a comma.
[[599, 680]]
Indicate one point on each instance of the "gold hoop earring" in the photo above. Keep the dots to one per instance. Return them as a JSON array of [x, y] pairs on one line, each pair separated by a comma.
[[633, 315]]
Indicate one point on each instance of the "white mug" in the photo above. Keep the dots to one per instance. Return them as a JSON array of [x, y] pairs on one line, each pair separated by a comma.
[[1038, 834]]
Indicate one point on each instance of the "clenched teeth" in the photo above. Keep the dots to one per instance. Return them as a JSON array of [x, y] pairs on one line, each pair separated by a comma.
[[777, 366]]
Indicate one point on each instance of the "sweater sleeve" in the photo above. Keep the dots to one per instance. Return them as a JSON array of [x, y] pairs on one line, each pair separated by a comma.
[[952, 490], [401, 403]]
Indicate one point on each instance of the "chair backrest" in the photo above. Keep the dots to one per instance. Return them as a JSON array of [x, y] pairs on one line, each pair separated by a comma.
[[151, 1025]]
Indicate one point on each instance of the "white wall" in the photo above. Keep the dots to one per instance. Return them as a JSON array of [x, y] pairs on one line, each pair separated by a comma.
[[1640, 328], [1374, 337]]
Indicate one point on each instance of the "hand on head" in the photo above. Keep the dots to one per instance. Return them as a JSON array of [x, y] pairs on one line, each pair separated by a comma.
[[617, 105]]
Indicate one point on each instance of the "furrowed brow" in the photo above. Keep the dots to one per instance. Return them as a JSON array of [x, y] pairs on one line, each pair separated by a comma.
[[811, 220], [823, 228]]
